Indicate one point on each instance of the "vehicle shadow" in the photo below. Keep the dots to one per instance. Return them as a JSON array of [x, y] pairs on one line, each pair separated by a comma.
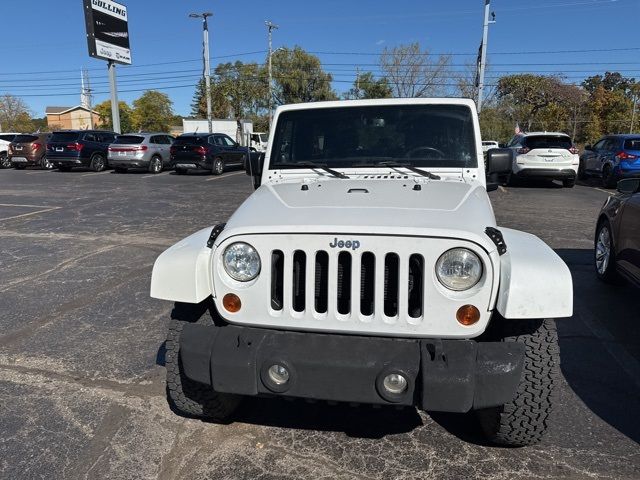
[[535, 183], [600, 345]]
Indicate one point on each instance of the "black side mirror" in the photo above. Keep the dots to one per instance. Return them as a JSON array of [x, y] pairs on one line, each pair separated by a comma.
[[629, 185], [253, 167], [499, 161]]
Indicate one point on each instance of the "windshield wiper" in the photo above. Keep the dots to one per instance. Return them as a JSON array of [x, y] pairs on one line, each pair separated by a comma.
[[321, 166], [408, 166]]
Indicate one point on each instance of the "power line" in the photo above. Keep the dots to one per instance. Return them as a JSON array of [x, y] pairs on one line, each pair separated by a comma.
[[473, 54]]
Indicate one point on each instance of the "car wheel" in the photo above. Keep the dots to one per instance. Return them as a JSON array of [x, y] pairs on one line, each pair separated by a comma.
[[524, 420], [155, 165], [185, 395], [604, 254], [582, 174], [4, 160], [46, 164], [98, 163], [218, 166], [608, 179], [120, 170], [181, 171], [569, 183], [64, 169]]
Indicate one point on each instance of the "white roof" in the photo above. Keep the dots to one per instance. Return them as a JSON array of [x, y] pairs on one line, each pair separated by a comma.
[[381, 101], [555, 134]]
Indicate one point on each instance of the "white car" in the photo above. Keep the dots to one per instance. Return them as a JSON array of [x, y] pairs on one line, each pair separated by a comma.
[[549, 155], [5, 139], [367, 267], [488, 145], [258, 140]]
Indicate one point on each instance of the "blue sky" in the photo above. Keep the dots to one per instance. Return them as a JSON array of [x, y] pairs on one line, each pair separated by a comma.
[[161, 32]]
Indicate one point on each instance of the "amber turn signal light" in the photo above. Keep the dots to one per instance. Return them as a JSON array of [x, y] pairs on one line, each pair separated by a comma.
[[231, 302], [468, 315]]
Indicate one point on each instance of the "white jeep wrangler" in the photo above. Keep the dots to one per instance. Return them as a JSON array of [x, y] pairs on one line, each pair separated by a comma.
[[367, 267]]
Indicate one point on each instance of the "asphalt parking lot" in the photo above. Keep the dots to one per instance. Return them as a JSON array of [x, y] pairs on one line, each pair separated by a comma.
[[81, 351]]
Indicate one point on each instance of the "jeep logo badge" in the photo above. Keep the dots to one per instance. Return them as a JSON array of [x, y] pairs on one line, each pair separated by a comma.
[[352, 244]]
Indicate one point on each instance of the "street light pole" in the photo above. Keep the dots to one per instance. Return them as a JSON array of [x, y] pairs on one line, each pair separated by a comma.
[[270, 27], [483, 51], [207, 67]]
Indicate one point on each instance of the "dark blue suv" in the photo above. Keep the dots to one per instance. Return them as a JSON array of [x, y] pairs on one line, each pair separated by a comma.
[[612, 157], [79, 148]]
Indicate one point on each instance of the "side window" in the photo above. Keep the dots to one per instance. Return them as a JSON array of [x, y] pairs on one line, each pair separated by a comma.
[[228, 142], [169, 139], [213, 140], [106, 138], [613, 144], [218, 141], [155, 139], [599, 144], [89, 137]]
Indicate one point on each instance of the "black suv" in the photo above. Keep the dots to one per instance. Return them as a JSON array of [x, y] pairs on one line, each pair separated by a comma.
[[79, 148], [206, 151]]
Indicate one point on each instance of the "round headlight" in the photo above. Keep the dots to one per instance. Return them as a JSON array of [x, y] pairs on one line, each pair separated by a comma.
[[459, 269], [241, 261]]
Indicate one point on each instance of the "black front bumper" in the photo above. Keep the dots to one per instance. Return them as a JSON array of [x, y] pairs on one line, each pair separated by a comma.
[[443, 375], [566, 174]]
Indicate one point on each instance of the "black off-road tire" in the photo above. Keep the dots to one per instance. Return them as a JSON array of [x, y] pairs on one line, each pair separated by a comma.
[[186, 396], [4, 160], [525, 419]]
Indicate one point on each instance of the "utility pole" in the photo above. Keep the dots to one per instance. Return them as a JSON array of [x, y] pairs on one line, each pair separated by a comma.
[[207, 67], [115, 111], [85, 97], [633, 112], [483, 50], [270, 27]]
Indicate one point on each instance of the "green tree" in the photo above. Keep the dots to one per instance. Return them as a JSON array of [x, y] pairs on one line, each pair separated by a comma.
[[609, 105], [152, 111], [14, 115], [104, 111], [367, 86], [299, 77]]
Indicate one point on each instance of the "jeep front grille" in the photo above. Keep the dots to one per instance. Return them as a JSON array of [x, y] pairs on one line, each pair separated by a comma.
[[384, 286], [349, 270]]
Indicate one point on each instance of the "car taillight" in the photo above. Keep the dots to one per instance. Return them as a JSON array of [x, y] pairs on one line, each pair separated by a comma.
[[141, 148], [75, 147], [522, 151], [625, 156], [201, 150], [574, 150], [35, 146]]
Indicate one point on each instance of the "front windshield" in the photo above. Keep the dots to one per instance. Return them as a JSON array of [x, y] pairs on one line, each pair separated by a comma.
[[262, 137], [432, 136]]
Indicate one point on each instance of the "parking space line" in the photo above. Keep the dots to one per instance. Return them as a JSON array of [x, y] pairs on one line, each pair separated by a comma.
[[95, 173], [604, 191], [155, 175], [38, 171], [25, 206], [30, 213], [220, 177]]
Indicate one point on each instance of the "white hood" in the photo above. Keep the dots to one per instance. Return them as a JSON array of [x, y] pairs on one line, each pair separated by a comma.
[[409, 206]]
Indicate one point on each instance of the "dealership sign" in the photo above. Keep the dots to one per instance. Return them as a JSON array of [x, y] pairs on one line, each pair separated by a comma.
[[107, 30]]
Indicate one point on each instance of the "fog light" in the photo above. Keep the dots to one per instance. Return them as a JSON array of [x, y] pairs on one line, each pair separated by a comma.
[[231, 302], [395, 383], [278, 374], [468, 315]]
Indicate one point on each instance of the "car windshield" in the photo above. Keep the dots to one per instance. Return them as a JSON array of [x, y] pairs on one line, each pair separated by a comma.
[[548, 141], [190, 140], [263, 137], [64, 137], [128, 139], [416, 135], [24, 138], [632, 144]]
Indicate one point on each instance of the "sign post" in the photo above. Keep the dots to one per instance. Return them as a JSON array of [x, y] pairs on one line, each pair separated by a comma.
[[108, 39]]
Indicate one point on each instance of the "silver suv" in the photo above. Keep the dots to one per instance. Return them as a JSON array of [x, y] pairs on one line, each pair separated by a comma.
[[140, 150]]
